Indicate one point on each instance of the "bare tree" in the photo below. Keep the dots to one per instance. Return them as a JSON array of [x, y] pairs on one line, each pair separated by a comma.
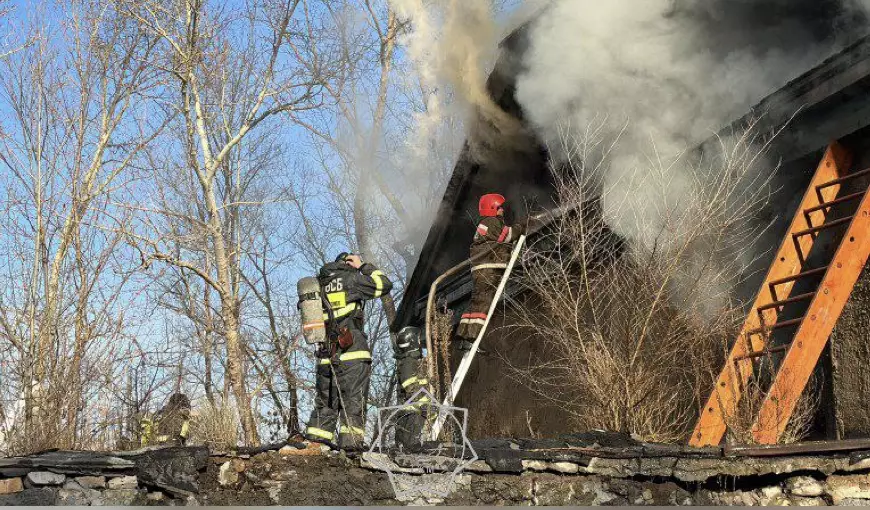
[[74, 130], [235, 68]]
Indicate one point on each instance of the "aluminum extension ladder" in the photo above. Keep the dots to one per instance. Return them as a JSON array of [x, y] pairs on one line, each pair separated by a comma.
[[468, 357]]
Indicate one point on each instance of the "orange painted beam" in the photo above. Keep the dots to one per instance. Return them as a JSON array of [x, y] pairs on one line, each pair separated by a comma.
[[728, 389], [812, 335]]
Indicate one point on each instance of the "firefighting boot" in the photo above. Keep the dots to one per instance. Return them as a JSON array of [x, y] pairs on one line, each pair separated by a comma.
[[464, 345], [319, 440]]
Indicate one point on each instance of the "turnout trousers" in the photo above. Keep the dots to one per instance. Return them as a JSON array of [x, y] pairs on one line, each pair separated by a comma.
[[485, 281], [410, 420], [341, 395]]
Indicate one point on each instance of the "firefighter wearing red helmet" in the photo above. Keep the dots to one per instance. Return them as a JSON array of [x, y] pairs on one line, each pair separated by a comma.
[[491, 251]]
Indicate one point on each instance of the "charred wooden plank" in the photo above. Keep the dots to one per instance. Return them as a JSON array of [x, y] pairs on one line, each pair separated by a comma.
[[806, 448], [67, 462]]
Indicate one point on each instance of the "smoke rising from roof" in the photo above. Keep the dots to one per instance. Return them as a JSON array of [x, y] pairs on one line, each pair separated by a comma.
[[666, 75]]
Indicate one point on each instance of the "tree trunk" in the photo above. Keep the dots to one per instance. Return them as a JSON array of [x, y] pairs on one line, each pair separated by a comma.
[[230, 316], [236, 372]]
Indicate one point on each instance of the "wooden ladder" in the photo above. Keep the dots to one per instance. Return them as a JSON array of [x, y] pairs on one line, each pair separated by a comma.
[[828, 207]]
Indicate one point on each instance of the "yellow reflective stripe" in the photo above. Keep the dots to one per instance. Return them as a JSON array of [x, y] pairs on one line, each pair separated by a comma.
[[162, 439], [325, 434], [352, 430], [415, 379], [350, 356], [337, 299], [185, 429], [379, 282], [415, 406], [325, 361], [341, 312]]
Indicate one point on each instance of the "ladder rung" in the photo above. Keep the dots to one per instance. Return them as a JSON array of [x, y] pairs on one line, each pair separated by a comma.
[[778, 325], [798, 276], [759, 354], [796, 299], [843, 179], [830, 224], [838, 201]]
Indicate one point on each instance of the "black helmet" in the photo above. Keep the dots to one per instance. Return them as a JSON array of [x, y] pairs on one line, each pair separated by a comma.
[[341, 256], [409, 342]]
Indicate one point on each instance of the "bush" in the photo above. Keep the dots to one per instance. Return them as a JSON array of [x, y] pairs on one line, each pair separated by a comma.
[[634, 286]]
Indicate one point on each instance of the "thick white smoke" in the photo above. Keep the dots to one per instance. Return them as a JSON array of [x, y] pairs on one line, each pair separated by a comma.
[[453, 44], [666, 76]]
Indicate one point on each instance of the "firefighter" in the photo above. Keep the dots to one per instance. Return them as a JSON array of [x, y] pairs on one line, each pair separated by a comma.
[[408, 352], [171, 425], [344, 361], [493, 245]]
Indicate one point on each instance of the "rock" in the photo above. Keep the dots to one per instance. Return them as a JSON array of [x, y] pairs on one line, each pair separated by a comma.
[[68, 497], [807, 501], [227, 475], [238, 465], [842, 487], [45, 478], [479, 466], [72, 485], [155, 496], [191, 501], [568, 468], [853, 502], [647, 495], [11, 486], [805, 486], [505, 461], [534, 465], [92, 482], [284, 475], [310, 449], [382, 462], [124, 482], [429, 463], [41, 496], [120, 497], [747, 498], [771, 492]]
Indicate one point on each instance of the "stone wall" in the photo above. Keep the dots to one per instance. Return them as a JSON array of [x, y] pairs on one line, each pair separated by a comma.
[[585, 469], [48, 488]]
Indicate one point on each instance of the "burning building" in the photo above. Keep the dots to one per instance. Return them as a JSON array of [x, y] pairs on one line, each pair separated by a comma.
[[674, 71]]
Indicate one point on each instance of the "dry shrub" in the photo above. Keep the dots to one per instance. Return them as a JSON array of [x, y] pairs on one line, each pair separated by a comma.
[[442, 329], [740, 424], [216, 426], [635, 325]]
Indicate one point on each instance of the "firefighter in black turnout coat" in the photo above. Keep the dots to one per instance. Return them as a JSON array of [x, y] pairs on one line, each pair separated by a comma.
[[493, 244], [344, 361]]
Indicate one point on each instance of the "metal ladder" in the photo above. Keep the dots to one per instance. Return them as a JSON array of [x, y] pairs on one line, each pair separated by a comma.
[[820, 213]]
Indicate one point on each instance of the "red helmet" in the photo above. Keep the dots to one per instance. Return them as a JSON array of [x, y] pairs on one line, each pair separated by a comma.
[[489, 204]]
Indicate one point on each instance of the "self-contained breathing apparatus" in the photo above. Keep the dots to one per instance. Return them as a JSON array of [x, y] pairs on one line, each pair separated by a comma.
[[318, 321]]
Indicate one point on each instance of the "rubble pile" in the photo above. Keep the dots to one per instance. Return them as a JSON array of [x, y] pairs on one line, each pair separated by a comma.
[[583, 469], [142, 477]]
